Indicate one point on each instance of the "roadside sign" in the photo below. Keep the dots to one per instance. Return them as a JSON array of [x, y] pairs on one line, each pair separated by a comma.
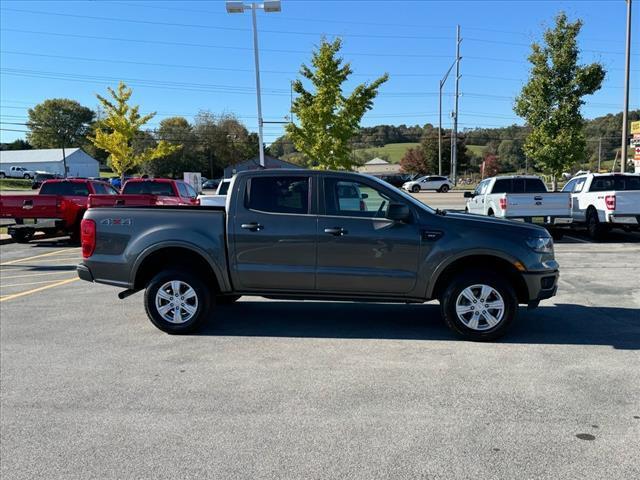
[[635, 127], [194, 179]]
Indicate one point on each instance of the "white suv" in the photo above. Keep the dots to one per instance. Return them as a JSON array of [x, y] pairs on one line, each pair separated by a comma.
[[428, 182]]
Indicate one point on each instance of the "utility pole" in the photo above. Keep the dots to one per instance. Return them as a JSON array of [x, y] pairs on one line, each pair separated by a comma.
[[257, 62], [599, 153], [625, 109], [442, 82], [454, 136]]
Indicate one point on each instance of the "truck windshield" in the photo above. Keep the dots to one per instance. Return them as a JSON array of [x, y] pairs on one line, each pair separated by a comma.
[[148, 188]]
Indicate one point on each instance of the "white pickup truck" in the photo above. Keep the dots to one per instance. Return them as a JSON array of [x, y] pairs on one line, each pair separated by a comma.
[[18, 172], [519, 197], [605, 201], [220, 197]]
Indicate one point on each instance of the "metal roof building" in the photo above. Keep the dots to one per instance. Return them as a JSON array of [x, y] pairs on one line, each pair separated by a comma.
[[378, 166], [79, 163], [254, 164]]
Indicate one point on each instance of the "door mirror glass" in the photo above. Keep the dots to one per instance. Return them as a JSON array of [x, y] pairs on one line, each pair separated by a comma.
[[364, 196], [468, 195], [399, 212]]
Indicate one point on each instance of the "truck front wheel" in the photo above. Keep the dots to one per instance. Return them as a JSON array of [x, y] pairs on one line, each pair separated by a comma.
[[478, 306], [177, 302]]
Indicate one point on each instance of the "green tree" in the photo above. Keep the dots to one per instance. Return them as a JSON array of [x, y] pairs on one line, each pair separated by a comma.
[[18, 144], [429, 145], [511, 156], [550, 101], [120, 127], [328, 119], [57, 123]]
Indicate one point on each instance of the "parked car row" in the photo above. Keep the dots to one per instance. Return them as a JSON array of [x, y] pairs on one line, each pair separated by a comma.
[[599, 202], [59, 205]]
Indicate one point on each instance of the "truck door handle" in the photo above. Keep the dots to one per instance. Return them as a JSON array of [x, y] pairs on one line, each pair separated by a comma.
[[27, 204], [254, 227], [336, 231], [537, 198]]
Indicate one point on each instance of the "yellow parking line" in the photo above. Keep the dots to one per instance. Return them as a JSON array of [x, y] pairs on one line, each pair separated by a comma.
[[28, 283], [35, 290], [5, 277], [48, 254]]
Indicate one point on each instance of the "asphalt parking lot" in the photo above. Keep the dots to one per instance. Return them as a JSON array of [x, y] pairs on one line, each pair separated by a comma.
[[275, 389]]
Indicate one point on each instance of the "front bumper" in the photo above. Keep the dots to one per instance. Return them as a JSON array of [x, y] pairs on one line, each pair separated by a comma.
[[541, 285]]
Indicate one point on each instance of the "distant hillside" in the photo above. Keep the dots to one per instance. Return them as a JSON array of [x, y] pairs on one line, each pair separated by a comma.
[[392, 152]]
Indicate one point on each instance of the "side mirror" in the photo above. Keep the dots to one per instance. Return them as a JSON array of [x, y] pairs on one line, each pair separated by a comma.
[[468, 194], [364, 195], [399, 212]]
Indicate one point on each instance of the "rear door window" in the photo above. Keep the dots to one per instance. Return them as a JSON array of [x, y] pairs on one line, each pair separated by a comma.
[[278, 194]]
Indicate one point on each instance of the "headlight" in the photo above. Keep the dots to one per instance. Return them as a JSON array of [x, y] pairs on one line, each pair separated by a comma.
[[540, 244]]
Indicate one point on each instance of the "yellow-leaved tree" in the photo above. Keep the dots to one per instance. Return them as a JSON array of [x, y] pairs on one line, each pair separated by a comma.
[[117, 131]]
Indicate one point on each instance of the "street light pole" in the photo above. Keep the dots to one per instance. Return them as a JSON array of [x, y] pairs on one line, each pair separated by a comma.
[[625, 109], [454, 139], [259, 98], [442, 82], [268, 6]]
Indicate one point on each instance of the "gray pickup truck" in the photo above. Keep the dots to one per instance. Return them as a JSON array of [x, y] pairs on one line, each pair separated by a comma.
[[297, 234]]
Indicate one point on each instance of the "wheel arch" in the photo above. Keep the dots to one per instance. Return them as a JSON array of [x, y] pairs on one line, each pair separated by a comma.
[[491, 262], [176, 254]]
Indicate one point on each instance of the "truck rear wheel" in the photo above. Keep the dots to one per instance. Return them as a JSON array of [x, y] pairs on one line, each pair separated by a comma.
[[177, 302], [479, 306], [595, 229]]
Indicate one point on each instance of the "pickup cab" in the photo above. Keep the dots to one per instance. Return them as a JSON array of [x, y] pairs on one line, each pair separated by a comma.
[[56, 208], [18, 172], [219, 199], [147, 192], [287, 234], [519, 197], [605, 201]]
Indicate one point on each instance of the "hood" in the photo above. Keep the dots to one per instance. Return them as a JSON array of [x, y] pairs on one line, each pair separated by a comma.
[[492, 223]]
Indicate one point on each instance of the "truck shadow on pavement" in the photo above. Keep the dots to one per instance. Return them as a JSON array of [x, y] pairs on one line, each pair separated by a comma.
[[562, 324]]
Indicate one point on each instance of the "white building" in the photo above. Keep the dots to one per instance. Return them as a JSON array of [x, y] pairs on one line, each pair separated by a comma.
[[378, 166], [79, 163]]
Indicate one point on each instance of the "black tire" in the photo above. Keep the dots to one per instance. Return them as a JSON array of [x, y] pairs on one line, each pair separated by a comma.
[[595, 229], [444, 188], [27, 176], [415, 188], [22, 235], [485, 332], [2, 175], [227, 299], [203, 297]]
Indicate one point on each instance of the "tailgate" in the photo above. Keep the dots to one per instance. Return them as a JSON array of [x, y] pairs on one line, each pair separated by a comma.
[[30, 206], [627, 203], [538, 204]]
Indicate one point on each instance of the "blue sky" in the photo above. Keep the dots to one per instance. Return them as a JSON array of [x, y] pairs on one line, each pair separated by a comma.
[[181, 57]]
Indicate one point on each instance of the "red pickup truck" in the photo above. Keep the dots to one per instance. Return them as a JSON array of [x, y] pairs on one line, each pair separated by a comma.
[[148, 192], [58, 207]]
